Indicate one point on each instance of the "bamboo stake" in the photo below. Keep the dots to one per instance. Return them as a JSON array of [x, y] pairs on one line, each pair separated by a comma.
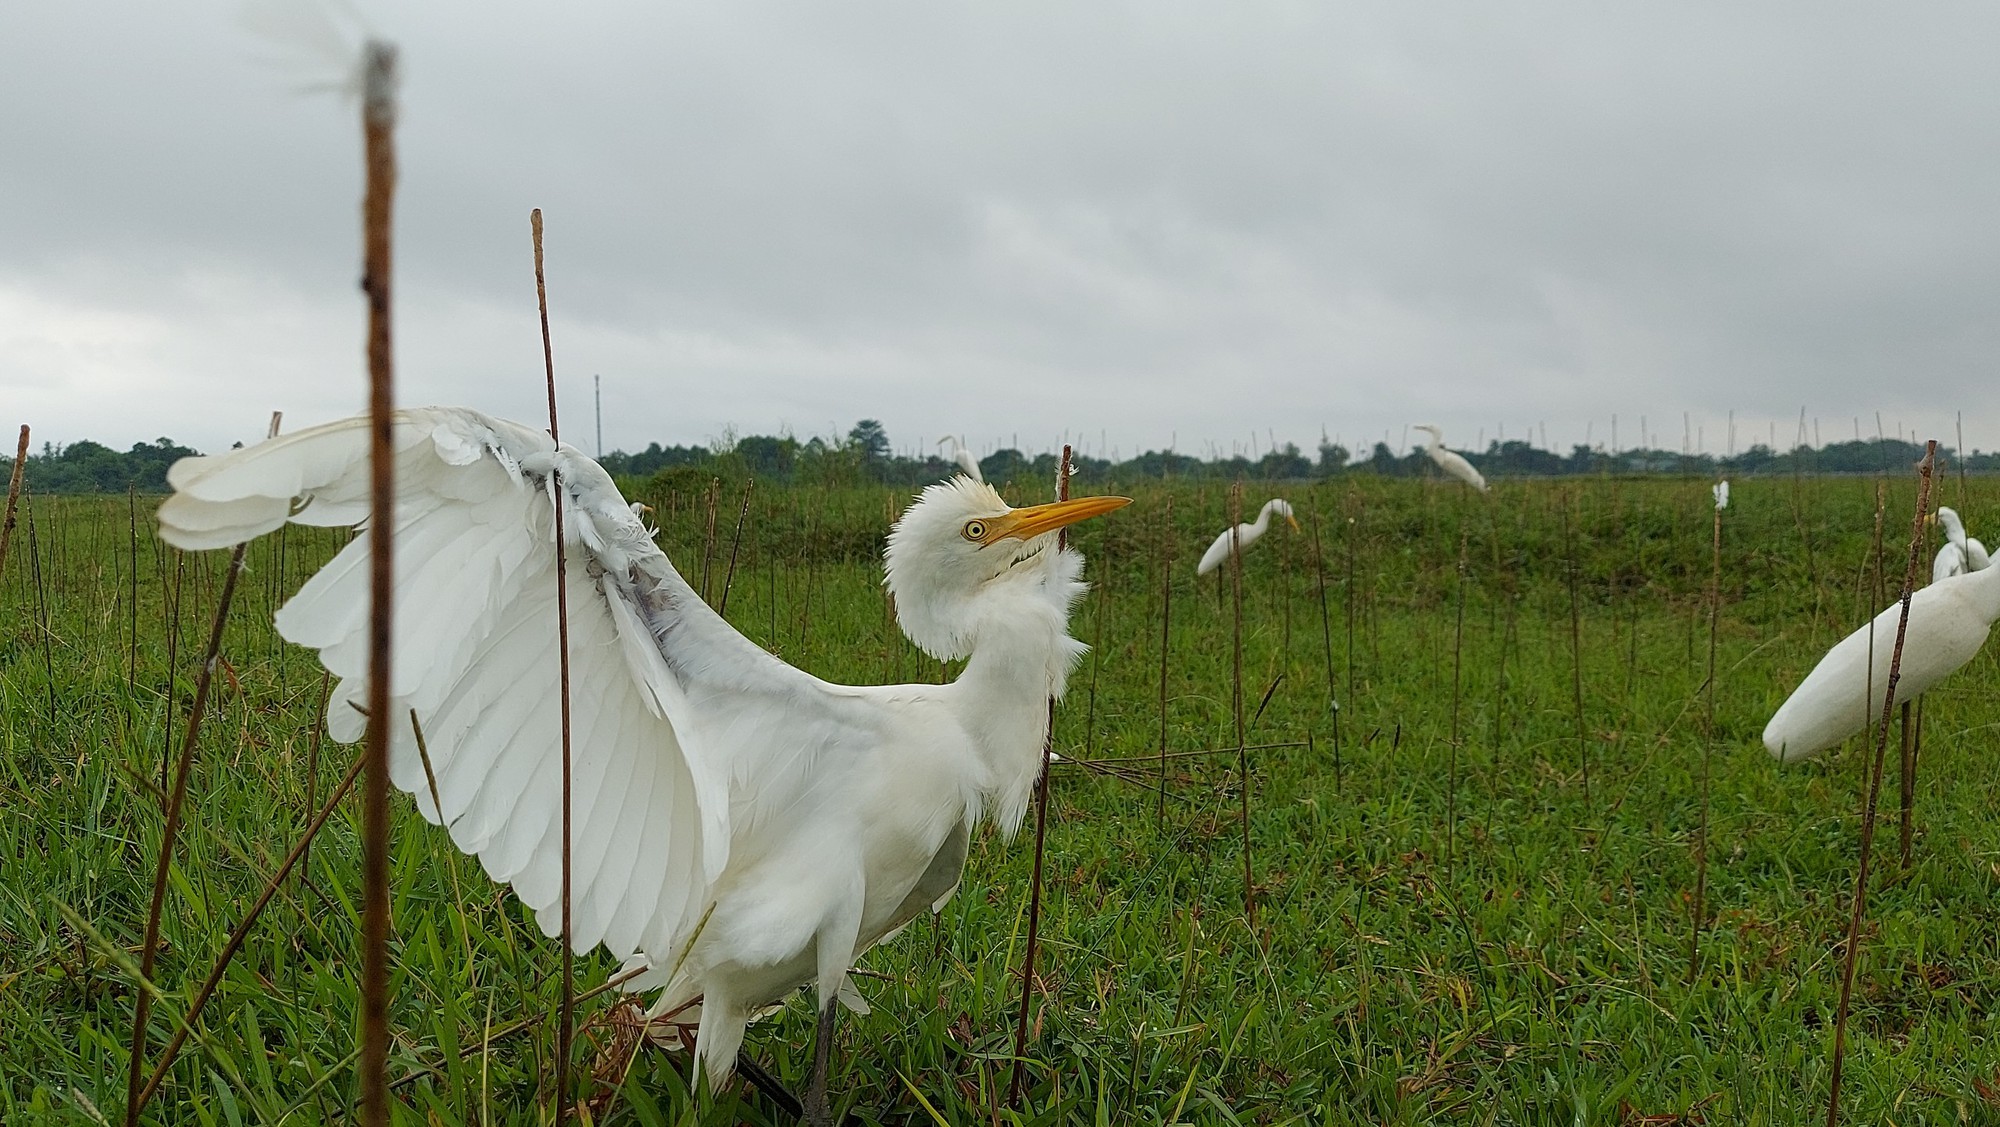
[[378, 123], [1457, 667], [1881, 736], [1236, 696], [566, 1019], [735, 543], [1576, 648], [1326, 642], [1015, 1075], [242, 931], [1700, 917], [13, 495], [168, 833], [1166, 639]]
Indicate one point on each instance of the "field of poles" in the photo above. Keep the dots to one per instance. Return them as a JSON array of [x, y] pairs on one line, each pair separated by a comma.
[[1473, 888]]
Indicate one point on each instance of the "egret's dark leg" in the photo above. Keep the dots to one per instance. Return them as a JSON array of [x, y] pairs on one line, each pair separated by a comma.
[[770, 1085], [817, 1111]]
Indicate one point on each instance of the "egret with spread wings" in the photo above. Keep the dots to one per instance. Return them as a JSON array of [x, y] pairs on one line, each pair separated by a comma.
[[804, 820]]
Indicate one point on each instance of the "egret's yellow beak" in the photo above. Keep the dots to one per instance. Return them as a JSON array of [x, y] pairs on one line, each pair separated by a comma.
[[1032, 521], [1293, 521]]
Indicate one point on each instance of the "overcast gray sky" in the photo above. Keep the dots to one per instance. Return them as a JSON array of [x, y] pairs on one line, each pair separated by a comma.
[[1134, 223]]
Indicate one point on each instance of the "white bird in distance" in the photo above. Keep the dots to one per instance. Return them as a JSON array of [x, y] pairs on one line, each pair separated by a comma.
[[1961, 553], [1244, 535], [967, 464], [804, 821], [1721, 491], [1451, 462], [1949, 621]]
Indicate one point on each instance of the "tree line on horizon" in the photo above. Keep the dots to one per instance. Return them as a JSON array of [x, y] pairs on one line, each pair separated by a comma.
[[864, 455]]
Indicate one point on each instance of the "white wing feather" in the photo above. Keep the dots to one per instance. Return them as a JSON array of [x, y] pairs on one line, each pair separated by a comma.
[[671, 706]]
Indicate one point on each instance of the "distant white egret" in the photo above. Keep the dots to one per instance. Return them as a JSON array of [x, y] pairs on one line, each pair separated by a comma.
[[807, 820], [967, 464], [1244, 535], [1452, 463], [1721, 491], [1960, 552], [1949, 621]]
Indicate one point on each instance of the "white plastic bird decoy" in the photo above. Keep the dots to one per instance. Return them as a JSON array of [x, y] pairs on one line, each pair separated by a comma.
[[1960, 552], [1949, 621], [967, 464], [808, 820], [1244, 535], [1450, 461], [1721, 491]]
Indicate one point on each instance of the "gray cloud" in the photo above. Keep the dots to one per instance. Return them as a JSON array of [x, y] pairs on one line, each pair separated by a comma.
[[1148, 222]]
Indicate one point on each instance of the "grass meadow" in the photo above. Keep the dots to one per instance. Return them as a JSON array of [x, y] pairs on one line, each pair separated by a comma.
[[1474, 884]]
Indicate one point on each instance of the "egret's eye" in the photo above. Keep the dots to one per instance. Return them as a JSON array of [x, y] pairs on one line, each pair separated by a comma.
[[975, 530]]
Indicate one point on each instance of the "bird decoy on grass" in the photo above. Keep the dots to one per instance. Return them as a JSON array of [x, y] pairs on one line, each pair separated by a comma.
[[1949, 621], [1245, 534], [804, 821], [1450, 461], [960, 456]]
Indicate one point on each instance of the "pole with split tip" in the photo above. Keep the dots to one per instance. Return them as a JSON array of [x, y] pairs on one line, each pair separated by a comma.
[[566, 1020], [13, 496]]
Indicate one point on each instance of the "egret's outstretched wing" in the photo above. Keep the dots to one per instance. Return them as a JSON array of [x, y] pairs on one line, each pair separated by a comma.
[[669, 703]]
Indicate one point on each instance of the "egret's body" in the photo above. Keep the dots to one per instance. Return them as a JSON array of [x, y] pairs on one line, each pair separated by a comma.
[[807, 820], [1721, 491], [1949, 621], [1450, 461], [1244, 535], [967, 464]]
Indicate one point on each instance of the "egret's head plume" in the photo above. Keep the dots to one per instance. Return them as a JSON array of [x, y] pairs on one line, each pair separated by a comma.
[[957, 542]]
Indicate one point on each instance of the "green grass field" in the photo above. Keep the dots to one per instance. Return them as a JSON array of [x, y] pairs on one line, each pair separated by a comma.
[[1472, 906]]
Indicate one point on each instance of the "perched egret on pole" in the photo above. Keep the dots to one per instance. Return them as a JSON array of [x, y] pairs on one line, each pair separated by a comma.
[[1721, 491], [1244, 535], [1450, 461], [742, 828], [1960, 553], [967, 464], [1949, 621]]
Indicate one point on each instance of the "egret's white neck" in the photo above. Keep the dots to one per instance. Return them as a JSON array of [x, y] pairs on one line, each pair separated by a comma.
[[1021, 657]]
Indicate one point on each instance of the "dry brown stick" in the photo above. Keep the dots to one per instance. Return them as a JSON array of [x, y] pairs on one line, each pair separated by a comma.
[[171, 830], [1700, 917], [1016, 1075], [378, 123], [1236, 695], [236, 937], [1576, 648], [735, 543], [1326, 641], [566, 1020], [13, 496], [1457, 670], [1913, 744], [1166, 641], [1924, 471]]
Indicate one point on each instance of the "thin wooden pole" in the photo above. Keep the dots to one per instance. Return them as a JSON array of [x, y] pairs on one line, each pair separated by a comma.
[[378, 119], [1700, 918], [1166, 643], [13, 495], [566, 1019], [1236, 697], [1924, 472], [1016, 1076]]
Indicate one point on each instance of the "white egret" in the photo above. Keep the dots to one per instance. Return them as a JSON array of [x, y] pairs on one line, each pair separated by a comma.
[[805, 821], [1721, 491], [1451, 462], [1960, 552], [967, 464], [1244, 535], [1949, 621]]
